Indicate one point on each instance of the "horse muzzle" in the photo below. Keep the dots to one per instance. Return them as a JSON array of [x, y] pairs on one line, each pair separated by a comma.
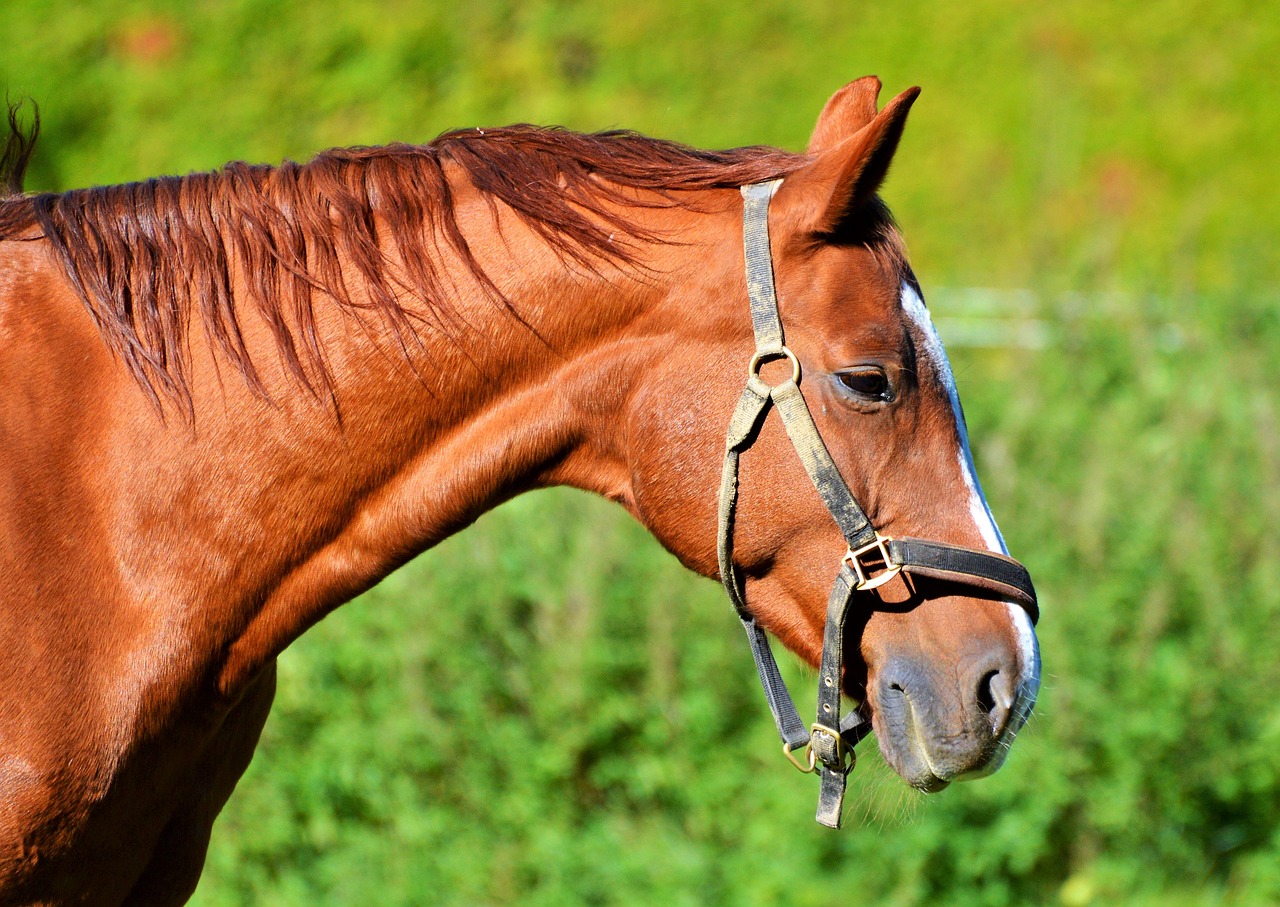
[[939, 724]]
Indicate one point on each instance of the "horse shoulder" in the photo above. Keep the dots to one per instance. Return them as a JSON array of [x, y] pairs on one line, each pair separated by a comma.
[[52, 383]]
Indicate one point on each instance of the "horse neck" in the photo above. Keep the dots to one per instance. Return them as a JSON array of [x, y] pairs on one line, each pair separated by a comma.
[[527, 390]]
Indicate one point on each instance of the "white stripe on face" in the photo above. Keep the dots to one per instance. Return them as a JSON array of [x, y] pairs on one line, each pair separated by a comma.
[[915, 308], [1028, 646]]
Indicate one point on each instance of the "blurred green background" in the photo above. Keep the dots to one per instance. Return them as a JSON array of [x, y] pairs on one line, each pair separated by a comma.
[[546, 709]]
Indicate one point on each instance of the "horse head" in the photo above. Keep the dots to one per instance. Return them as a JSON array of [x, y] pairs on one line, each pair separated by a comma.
[[946, 670]]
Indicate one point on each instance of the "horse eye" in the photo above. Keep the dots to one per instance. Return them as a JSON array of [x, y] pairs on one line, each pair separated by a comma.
[[867, 382]]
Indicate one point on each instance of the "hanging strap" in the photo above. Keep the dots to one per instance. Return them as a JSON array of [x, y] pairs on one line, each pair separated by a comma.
[[747, 416], [756, 399], [833, 738], [832, 751]]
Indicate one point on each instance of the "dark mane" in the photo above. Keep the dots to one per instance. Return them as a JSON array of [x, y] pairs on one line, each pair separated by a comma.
[[18, 148], [149, 257]]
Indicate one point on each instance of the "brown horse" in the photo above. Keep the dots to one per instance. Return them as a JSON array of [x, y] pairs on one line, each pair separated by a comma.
[[229, 402]]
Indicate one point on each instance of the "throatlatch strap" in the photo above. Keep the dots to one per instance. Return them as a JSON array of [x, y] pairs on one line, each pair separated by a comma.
[[752, 406]]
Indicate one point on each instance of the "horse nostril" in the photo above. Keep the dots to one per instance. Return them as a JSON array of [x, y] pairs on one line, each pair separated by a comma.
[[986, 695], [995, 696]]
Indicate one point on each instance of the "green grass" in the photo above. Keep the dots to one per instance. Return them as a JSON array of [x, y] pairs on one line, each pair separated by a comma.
[[547, 709]]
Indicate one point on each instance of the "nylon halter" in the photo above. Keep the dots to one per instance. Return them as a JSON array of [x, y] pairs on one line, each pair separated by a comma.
[[871, 559]]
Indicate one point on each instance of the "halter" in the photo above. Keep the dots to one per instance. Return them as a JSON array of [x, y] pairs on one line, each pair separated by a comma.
[[871, 560]]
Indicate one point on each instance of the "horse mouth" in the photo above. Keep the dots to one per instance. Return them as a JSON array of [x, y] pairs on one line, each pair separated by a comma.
[[930, 745]]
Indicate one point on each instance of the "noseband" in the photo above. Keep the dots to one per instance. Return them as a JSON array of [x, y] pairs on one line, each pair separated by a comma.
[[871, 559]]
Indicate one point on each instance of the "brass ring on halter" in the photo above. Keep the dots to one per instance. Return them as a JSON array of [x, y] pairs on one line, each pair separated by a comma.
[[763, 356], [807, 767]]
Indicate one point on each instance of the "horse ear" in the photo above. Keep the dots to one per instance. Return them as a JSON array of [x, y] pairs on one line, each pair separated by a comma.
[[847, 111], [846, 174]]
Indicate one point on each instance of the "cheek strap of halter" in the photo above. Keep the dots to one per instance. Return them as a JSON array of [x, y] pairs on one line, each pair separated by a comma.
[[831, 739]]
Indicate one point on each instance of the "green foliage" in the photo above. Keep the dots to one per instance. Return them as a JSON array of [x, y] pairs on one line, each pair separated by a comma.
[[547, 709]]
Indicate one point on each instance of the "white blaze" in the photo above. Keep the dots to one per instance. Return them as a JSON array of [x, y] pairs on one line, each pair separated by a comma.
[[1029, 650]]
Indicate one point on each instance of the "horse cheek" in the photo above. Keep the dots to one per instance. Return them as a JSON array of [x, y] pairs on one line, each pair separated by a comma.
[[675, 471]]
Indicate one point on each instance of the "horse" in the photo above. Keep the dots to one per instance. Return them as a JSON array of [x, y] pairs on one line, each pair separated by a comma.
[[231, 401]]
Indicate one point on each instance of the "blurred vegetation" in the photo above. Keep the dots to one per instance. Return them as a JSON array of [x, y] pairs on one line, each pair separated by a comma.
[[546, 709]]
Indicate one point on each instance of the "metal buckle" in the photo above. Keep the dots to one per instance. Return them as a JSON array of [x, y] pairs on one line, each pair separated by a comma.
[[844, 753], [854, 560], [845, 756]]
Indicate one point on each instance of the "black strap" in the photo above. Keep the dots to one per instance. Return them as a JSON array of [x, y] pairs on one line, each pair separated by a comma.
[[834, 738], [822, 470], [997, 573]]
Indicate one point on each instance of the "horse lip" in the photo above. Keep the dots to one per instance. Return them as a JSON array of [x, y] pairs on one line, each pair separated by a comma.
[[926, 778], [911, 762], [931, 780], [930, 783]]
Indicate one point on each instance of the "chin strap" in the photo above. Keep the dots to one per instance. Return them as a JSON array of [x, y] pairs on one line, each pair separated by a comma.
[[871, 559]]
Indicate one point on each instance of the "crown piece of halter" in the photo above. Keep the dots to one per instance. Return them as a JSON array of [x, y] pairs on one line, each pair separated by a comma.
[[871, 560]]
